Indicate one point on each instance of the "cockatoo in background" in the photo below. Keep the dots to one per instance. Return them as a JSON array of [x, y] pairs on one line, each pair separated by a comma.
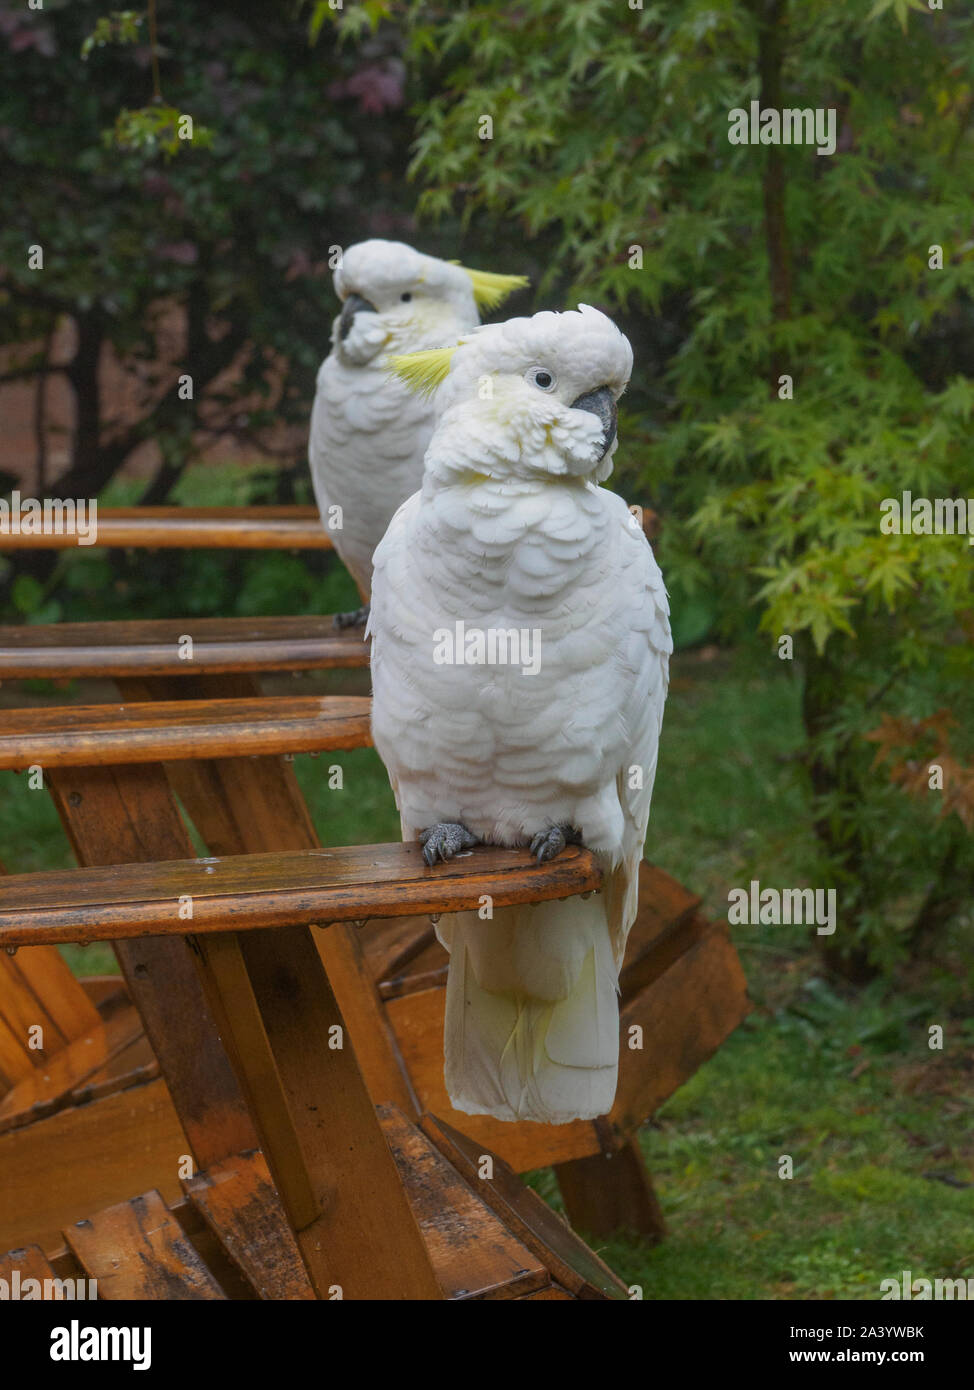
[[511, 532], [369, 432]]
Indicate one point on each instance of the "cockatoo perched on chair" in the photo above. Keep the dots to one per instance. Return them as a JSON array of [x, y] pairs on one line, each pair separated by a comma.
[[511, 537], [369, 432]]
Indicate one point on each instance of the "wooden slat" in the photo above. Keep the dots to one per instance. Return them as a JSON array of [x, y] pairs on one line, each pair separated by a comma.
[[685, 1015], [53, 1084], [201, 1237], [275, 890], [179, 528], [30, 1262], [138, 1250], [666, 925], [606, 1193], [16, 1062], [44, 973], [569, 1260], [128, 812], [153, 647], [86, 1157], [474, 1254], [21, 1010], [89, 735], [238, 1202]]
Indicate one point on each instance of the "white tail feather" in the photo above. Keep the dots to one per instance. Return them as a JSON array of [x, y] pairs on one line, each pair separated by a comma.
[[532, 1013]]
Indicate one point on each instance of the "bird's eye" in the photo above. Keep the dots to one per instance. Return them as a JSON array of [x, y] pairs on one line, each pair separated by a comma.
[[405, 297], [542, 378]]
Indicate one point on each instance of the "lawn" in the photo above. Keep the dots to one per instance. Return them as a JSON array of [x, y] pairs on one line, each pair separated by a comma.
[[879, 1128]]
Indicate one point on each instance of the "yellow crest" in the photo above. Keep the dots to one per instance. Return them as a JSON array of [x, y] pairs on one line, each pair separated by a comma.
[[422, 371], [489, 289]]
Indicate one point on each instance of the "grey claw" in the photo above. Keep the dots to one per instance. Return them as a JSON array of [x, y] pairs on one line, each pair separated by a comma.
[[547, 843], [445, 839], [358, 617]]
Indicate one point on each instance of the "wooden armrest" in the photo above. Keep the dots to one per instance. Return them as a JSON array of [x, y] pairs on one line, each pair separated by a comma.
[[157, 647], [169, 730], [194, 528], [245, 891]]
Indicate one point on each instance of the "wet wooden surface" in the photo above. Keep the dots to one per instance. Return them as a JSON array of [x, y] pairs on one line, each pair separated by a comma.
[[245, 892], [85, 1157], [564, 1254], [157, 646], [170, 730], [238, 1201], [138, 1250], [474, 1254]]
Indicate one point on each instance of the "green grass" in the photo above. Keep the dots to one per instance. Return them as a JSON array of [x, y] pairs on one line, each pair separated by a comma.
[[862, 1123], [841, 1081]]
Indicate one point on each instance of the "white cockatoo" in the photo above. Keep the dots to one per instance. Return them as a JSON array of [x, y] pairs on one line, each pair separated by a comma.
[[512, 550], [369, 432]]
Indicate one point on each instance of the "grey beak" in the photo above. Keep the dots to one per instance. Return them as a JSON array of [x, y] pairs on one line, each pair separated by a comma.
[[601, 403], [353, 305]]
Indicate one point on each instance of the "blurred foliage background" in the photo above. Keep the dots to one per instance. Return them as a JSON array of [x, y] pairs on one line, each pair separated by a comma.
[[608, 177]]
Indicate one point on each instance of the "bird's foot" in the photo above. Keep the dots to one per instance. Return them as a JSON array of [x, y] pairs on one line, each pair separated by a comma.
[[445, 839], [547, 843], [358, 617]]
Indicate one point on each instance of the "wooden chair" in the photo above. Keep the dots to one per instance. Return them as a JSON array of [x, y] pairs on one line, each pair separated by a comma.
[[682, 987], [682, 983], [341, 1200]]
